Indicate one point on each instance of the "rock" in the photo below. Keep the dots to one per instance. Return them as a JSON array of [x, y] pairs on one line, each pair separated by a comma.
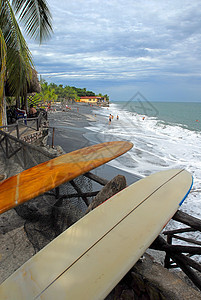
[[2, 177], [40, 233], [151, 278], [67, 212], [39, 207], [114, 186], [9, 221], [61, 218], [15, 249]]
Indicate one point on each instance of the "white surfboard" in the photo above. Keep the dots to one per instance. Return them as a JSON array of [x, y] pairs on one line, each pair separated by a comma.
[[92, 256]]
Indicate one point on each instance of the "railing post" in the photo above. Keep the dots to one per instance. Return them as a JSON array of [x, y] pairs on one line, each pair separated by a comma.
[[37, 124], [53, 138], [38, 120], [17, 130], [57, 192], [24, 157], [6, 141], [167, 256]]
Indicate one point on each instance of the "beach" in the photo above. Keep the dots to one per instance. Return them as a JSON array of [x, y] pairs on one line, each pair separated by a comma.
[[71, 131]]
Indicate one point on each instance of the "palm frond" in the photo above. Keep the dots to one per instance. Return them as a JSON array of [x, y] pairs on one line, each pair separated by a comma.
[[35, 16], [19, 60]]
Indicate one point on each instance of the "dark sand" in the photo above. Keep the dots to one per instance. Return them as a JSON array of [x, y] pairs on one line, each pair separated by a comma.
[[70, 126]]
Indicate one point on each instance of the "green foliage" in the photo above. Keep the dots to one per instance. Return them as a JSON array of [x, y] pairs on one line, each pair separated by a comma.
[[107, 97], [69, 93], [83, 92], [36, 100], [16, 59], [18, 56], [64, 93], [35, 16], [10, 101], [47, 95], [36, 19]]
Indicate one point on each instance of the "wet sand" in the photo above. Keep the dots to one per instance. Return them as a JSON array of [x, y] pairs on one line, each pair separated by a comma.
[[70, 127]]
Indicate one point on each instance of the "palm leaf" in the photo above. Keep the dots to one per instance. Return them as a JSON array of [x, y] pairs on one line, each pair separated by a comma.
[[19, 60], [35, 16]]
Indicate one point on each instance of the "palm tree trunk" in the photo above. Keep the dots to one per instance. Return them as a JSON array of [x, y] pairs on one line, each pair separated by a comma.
[[5, 123], [18, 102], [3, 115]]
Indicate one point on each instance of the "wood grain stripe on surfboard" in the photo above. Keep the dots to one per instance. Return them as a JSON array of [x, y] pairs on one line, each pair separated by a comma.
[[48, 175], [121, 220]]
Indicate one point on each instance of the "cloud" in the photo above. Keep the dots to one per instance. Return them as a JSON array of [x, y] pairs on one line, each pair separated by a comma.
[[121, 40]]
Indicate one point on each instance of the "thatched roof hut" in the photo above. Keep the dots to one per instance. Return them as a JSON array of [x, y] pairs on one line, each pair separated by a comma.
[[33, 87]]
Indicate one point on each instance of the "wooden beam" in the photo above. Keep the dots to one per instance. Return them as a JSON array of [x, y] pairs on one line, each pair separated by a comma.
[[78, 190], [192, 241], [192, 263], [181, 230], [100, 180], [90, 194], [158, 245], [15, 152], [184, 218], [184, 262]]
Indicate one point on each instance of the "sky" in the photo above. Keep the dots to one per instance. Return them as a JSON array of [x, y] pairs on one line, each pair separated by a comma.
[[124, 47]]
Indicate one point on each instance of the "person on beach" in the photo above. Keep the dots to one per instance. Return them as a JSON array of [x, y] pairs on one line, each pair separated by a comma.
[[21, 113], [32, 111], [110, 119], [117, 117]]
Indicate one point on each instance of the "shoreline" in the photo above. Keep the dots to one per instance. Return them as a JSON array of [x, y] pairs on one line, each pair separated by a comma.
[[70, 128]]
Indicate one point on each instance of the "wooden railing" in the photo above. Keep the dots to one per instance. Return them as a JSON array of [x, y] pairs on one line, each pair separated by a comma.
[[34, 124], [180, 256], [25, 153]]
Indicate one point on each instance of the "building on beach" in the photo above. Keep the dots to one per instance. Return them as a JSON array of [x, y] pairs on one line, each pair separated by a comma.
[[92, 99]]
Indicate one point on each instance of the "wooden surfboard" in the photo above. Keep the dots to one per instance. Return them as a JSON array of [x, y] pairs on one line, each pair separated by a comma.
[[88, 259], [48, 175]]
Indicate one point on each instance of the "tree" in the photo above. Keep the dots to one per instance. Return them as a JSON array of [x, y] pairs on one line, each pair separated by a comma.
[[70, 93], [107, 97], [16, 61], [50, 95], [47, 94], [83, 92]]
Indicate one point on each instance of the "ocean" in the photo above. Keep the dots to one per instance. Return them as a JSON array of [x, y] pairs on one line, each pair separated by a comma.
[[165, 135]]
